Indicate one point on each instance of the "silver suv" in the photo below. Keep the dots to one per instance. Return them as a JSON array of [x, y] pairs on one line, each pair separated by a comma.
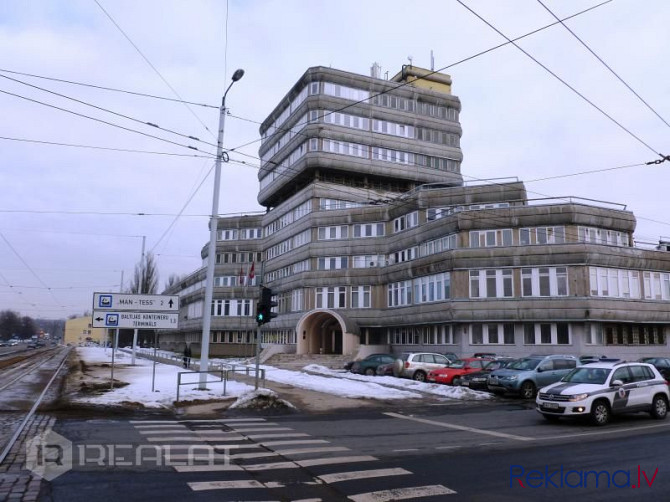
[[417, 365], [599, 390], [524, 376]]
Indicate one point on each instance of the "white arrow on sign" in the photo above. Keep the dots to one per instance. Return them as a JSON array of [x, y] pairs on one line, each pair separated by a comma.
[[139, 320], [135, 303]]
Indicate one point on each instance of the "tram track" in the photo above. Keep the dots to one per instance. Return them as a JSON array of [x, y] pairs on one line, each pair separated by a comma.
[[22, 417]]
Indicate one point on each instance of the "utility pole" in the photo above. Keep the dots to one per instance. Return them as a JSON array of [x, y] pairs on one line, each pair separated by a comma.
[[139, 287], [221, 156]]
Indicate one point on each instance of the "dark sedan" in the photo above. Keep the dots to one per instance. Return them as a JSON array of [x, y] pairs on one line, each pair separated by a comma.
[[662, 364], [368, 366], [478, 379]]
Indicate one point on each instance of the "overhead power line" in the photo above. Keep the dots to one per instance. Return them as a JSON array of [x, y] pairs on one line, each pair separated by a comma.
[[103, 88], [553, 74], [605, 64], [93, 147], [107, 110], [174, 91], [103, 121]]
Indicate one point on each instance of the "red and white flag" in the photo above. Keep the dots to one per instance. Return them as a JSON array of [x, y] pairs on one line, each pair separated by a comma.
[[251, 271]]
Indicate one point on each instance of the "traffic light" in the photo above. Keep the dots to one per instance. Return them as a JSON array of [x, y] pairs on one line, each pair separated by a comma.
[[264, 306]]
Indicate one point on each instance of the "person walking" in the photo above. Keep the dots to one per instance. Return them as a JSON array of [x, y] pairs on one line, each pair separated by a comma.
[[187, 356]]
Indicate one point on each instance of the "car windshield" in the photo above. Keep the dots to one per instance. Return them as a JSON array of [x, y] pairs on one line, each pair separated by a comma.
[[494, 365], [587, 375], [457, 364], [524, 364]]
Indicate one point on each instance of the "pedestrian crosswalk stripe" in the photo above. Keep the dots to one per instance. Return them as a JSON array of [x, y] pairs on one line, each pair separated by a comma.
[[278, 435], [166, 431], [299, 451], [373, 473], [143, 422], [224, 485], [162, 426], [293, 441], [207, 468], [334, 460], [274, 465], [402, 493], [264, 429]]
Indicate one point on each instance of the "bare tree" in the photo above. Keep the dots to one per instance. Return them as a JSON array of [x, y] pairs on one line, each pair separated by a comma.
[[172, 280], [145, 278]]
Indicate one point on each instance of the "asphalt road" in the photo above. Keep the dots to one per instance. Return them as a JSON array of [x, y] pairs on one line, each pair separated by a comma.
[[485, 451]]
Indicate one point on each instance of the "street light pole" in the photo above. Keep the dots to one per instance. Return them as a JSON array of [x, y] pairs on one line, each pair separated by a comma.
[[213, 230]]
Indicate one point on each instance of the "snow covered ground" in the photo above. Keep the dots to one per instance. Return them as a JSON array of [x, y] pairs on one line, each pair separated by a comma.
[[314, 377]]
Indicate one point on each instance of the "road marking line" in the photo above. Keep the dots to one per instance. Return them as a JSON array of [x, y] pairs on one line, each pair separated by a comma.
[[224, 485], [235, 446], [597, 433], [447, 447], [153, 421], [204, 457], [274, 465], [169, 426], [373, 473], [283, 435], [263, 429], [223, 420], [402, 493], [459, 427], [194, 439], [252, 455], [293, 441], [207, 468], [167, 431], [299, 451], [257, 424], [407, 449], [334, 460]]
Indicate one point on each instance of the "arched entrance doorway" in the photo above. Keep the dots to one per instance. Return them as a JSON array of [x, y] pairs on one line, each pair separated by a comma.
[[326, 332]]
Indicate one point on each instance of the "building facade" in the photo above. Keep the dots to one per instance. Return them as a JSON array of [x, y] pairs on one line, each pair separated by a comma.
[[372, 241], [79, 331]]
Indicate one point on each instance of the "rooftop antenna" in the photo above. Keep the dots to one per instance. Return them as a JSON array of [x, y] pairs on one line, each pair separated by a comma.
[[409, 58], [432, 61]]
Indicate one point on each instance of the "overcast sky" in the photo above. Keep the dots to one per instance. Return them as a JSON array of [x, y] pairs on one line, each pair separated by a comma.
[[69, 216]]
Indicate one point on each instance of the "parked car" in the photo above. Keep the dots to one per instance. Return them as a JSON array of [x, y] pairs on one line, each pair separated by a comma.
[[452, 375], [524, 376], [662, 364], [32, 345], [417, 365], [477, 380], [600, 390], [368, 366], [385, 369], [451, 356], [485, 354]]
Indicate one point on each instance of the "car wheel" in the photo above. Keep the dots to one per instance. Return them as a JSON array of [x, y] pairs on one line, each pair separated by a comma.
[[659, 408], [456, 381], [528, 390], [419, 376], [370, 372], [551, 418], [600, 413]]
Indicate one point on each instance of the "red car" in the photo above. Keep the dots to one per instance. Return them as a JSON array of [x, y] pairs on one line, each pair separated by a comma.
[[452, 374]]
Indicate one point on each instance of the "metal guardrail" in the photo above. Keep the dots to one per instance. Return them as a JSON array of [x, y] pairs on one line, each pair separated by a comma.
[[223, 375], [226, 369]]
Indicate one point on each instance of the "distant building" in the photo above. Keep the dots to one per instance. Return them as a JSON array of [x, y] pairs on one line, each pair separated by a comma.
[[372, 240], [80, 331]]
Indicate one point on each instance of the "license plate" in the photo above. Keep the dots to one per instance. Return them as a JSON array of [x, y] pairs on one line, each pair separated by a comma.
[[493, 380], [551, 406]]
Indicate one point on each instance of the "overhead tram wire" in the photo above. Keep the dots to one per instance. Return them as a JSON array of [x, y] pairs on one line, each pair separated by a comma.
[[433, 72], [30, 269], [93, 147], [553, 74], [103, 88], [605, 64], [107, 110], [190, 147], [153, 67]]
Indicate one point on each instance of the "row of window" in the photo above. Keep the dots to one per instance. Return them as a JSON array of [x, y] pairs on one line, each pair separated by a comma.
[[235, 234], [620, 283]]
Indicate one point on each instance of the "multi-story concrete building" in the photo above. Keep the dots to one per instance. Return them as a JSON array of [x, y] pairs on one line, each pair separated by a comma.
[[373, 241]]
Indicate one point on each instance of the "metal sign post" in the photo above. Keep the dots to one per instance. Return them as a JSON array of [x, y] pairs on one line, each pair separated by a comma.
[[153, 374]]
